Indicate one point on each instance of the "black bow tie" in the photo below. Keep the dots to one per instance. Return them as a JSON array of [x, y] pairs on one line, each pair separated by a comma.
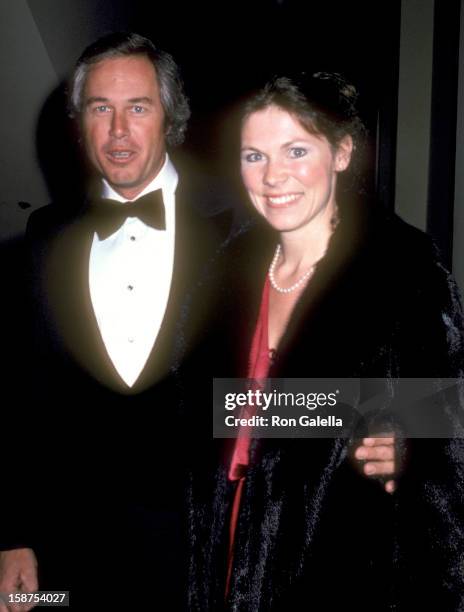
[[109, 215]]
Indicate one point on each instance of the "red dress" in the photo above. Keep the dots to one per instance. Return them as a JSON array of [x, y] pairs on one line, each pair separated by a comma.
[[258, 369]]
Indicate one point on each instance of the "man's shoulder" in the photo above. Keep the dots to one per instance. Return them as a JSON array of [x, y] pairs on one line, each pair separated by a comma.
[[206, 194], [207, 203], [50, 221]]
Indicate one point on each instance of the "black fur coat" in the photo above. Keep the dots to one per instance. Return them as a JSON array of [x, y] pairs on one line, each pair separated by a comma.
[[313, 533]]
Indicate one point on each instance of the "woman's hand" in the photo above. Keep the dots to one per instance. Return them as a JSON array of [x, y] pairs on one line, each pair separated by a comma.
[[378, 455]]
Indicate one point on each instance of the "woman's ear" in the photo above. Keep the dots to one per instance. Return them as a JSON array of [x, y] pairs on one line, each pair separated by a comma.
[[343, 154]]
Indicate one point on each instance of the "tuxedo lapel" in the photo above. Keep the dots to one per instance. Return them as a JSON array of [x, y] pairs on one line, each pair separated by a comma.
[[189, 251], [67, 280]]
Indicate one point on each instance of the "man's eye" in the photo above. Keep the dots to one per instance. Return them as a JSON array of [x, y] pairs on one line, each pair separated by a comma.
[[252, 157], [298, 152], [138, 110], [101, 108]]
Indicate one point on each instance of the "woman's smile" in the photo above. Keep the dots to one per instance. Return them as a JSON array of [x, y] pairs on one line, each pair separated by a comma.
[[282, 201]]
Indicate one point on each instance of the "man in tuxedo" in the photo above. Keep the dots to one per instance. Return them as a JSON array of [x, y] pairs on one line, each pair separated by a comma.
[[107, 281]]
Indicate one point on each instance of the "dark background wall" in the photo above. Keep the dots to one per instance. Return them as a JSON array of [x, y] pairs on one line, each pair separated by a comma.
[[224, 49]]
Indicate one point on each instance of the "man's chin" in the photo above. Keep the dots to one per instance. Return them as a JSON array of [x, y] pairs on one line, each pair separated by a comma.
[[128, 187], [122, 179]]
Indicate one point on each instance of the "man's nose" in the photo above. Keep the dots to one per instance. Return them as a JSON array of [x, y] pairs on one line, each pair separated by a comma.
[[119, 125], [274, 173]]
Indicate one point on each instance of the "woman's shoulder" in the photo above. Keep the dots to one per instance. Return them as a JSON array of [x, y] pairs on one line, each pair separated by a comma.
[[429, 292], [410, 237], [409, 253], [403, 238]]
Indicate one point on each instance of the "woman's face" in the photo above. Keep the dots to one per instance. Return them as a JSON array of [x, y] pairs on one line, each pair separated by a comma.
[[289, 173]]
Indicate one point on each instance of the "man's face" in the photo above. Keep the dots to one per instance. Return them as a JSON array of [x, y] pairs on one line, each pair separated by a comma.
[[123, 123]]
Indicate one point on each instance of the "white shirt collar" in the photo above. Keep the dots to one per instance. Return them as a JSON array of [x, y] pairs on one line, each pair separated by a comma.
[[166, 179]]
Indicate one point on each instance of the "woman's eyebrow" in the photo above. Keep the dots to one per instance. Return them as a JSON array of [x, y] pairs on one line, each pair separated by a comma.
[[294, 141]]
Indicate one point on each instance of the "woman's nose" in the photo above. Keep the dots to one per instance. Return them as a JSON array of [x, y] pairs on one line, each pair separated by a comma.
[[274, 173]]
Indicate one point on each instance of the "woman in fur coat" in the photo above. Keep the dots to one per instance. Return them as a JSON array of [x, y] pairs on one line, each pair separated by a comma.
[[322, 284]]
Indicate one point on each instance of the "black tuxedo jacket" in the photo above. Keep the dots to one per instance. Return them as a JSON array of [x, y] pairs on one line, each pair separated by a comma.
[[107, 461]]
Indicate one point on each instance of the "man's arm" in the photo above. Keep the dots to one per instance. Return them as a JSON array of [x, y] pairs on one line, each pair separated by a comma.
[[379, 458], [18, 564]]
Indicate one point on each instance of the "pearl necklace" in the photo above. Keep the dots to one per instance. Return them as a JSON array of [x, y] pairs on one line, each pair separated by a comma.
[[299, 282]]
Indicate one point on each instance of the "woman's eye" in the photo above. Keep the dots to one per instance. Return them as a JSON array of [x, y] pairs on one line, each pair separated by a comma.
[[298, 152], [252, 157]]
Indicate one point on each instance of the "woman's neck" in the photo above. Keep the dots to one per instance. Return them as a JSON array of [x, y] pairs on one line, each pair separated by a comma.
[[303, 248]]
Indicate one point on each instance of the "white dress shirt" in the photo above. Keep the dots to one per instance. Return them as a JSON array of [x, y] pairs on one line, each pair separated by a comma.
[[130, 275]]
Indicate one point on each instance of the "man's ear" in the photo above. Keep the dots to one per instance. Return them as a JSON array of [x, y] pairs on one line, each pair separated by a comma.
[[343, 153]]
